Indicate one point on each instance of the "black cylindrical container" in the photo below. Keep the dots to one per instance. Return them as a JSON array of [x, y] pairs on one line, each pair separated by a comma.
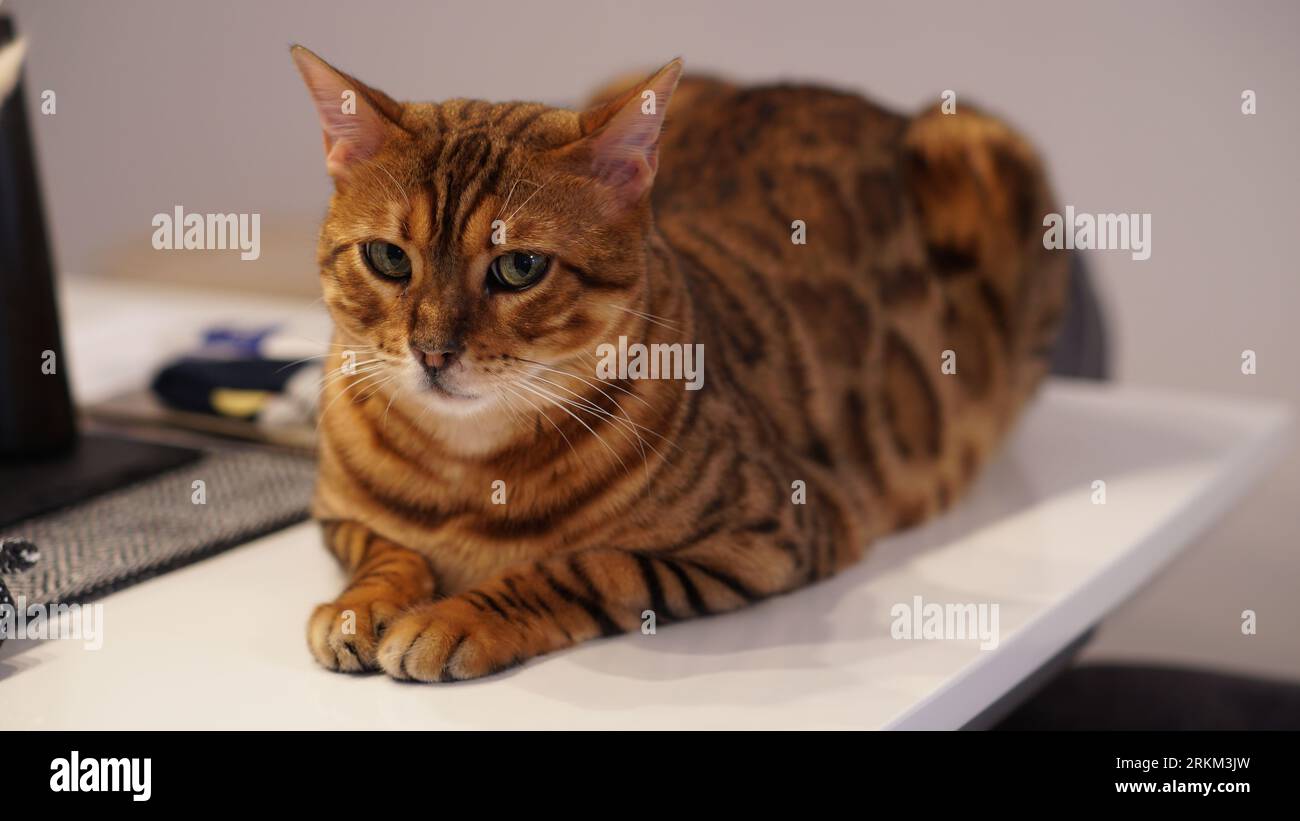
[[36, 416]]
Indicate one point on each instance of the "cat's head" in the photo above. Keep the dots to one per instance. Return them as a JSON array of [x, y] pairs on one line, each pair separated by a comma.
[[469, 244]]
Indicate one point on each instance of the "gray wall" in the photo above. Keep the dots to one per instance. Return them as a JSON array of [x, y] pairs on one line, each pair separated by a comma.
[[1135, 104]]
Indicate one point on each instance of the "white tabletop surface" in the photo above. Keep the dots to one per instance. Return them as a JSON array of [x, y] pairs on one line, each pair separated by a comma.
[[220, 644]]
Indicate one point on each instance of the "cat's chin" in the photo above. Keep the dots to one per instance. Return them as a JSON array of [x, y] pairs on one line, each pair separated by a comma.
[[471, 427], [453, 398], [443, 402], [435, 398]]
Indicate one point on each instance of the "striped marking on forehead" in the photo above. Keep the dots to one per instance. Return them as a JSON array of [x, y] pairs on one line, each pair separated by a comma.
[[472, 167], [417, 219], [463, 170], [475, 232], [470, 148]]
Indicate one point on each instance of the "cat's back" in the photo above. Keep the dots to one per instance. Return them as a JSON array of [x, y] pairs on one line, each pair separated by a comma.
[[775, 150], [869, 245]]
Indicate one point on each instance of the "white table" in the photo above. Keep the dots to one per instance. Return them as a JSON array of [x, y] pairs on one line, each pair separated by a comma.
[[220, 644]]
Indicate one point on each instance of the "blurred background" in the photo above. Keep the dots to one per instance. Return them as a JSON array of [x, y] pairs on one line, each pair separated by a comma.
[[1137, 108]]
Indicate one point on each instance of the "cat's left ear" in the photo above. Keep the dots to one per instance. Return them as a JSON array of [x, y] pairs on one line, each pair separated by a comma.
[[356, 119], [621, 136]]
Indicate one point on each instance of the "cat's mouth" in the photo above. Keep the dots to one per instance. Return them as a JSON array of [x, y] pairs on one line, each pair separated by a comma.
[[438, 384], [441, 390]]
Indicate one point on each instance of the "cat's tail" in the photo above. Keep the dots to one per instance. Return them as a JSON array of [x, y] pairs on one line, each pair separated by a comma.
[[982, 195]]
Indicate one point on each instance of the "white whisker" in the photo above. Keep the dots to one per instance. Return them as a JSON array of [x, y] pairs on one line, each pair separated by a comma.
[[599, 412], [530, 199], [658, 320], [552, 399], [542, 414]]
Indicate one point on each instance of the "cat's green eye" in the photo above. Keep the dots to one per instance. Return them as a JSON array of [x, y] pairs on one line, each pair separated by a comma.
[[386, 259], [518, 269]]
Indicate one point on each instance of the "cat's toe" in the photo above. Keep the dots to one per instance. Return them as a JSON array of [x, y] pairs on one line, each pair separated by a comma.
[[446, 641], [344, 636]]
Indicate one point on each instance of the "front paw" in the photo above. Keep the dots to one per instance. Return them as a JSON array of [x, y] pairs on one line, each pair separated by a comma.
[[450, 640], [344, 635]]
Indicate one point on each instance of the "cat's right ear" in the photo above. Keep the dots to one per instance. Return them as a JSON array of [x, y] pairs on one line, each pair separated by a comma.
[[356, 119]]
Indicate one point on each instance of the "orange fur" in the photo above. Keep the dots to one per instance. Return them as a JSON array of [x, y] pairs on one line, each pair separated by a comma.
[[822, 368]]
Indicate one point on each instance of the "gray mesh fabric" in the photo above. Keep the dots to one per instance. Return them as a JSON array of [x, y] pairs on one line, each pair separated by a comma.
[[154, 526]]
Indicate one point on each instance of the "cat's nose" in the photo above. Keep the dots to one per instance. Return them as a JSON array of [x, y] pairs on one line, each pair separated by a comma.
[[436, 357]]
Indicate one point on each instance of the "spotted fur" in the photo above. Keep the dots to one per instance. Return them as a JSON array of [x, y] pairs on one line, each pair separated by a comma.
[[822, 371]]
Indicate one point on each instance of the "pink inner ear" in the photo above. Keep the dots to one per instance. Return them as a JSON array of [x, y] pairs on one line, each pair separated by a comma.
[[353, 129], [626, 164], [359, 136], [626, 150]]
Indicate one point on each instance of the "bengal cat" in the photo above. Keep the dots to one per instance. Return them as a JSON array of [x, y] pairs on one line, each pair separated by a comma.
[[494, 498]]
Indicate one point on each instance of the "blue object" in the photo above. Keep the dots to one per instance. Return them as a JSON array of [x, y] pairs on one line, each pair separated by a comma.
[[235, 342]]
